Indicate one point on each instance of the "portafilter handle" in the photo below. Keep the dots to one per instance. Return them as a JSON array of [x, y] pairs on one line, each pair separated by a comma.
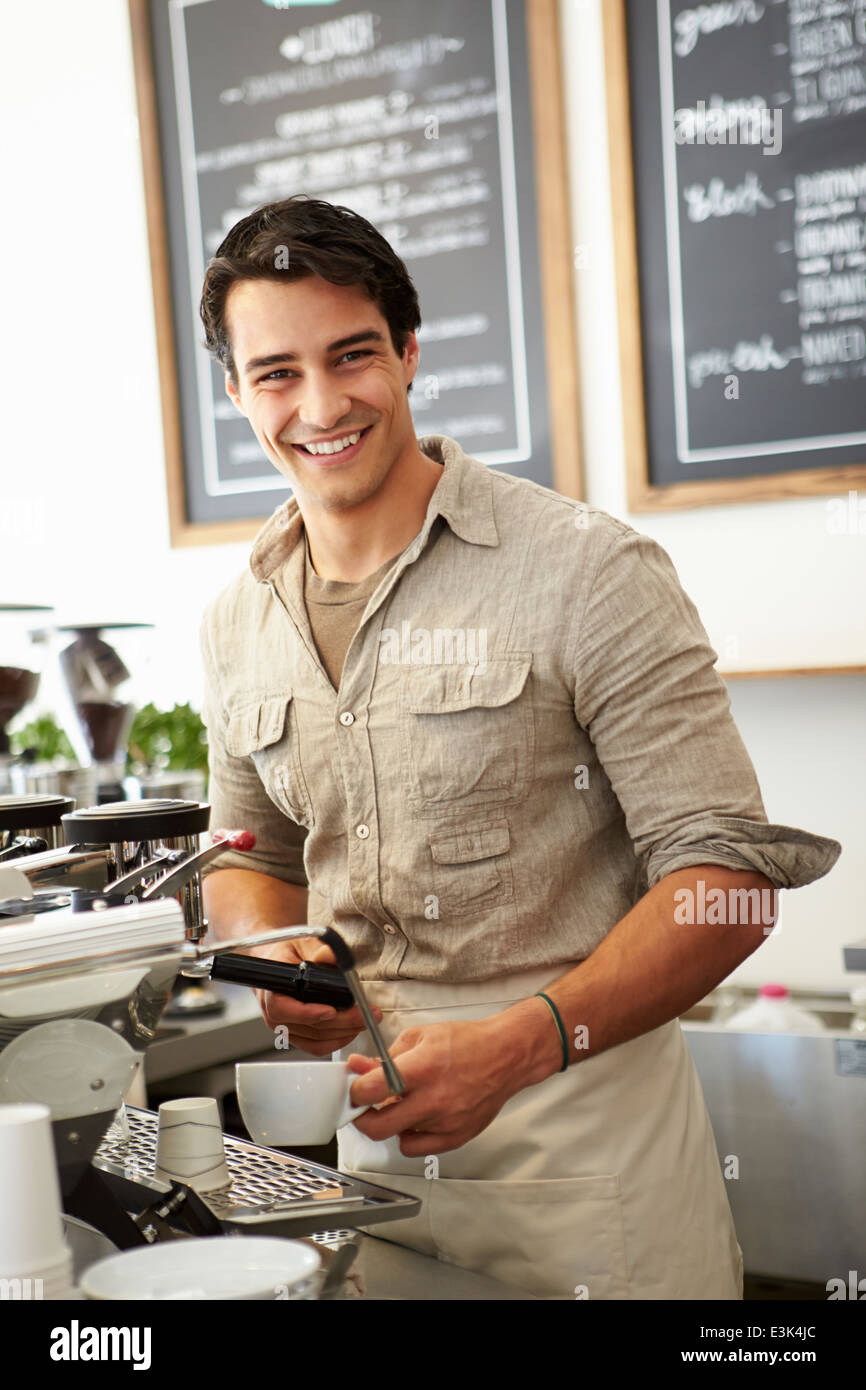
[[223, 840], [24, 845], [64, 861], [346, 963]]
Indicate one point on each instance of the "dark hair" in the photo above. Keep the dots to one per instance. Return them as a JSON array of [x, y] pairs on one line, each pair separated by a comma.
[[303, 236]]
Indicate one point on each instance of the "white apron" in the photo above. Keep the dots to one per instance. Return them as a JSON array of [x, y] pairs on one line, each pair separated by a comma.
[[602, 1182]]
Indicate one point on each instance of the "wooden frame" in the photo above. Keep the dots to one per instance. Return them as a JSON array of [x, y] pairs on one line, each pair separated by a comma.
[[643, 495], [555, 254], [793, 671], [183, 532]]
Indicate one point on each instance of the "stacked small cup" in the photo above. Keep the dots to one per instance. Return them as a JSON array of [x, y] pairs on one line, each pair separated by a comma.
[[35, 1261], [190, 1147]]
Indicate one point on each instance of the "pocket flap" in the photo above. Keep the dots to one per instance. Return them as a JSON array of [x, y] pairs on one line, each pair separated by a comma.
[[446, 689], [257, 725], [464, 846]]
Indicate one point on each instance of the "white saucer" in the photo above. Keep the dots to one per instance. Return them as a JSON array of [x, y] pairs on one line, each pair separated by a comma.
[[216, 1267]]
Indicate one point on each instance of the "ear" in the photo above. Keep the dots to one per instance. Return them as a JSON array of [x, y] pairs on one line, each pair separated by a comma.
[[411, 357], [231, 392]]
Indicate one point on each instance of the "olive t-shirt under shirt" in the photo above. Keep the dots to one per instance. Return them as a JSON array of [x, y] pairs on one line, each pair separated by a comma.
[[335, 609]]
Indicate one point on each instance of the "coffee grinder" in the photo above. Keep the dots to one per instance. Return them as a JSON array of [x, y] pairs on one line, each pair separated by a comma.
[[20, 671]]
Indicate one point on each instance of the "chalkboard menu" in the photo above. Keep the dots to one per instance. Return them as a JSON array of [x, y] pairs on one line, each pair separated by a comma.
[[748, 136], [419, 118]]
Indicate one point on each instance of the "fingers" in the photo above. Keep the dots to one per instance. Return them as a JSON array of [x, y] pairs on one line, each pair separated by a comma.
[[313, 1020], [302, 948], [282, 1009], [373, 1085], [309, 1041], [359, 1063], [418, 1144], [322, 1049], [393, 1115]]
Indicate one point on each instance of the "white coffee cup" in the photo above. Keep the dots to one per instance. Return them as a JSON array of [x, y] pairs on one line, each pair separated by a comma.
[[295, 1102], [189, 1144], [31, 1228]]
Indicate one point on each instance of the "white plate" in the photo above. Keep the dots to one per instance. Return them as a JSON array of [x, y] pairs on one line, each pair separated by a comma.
[[236, 1267]]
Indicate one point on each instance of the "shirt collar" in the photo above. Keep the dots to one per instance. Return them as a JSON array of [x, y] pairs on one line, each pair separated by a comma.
[[463, 496]]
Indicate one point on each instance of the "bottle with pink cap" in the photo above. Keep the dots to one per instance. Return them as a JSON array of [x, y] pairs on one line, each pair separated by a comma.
[[774, 1012]]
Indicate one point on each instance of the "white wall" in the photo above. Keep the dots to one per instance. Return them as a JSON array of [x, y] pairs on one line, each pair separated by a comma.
[[83, 515], [83, 512]]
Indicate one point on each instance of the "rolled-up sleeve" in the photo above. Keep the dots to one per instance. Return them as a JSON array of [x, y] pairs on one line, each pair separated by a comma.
[[237, 797], [659, 717]]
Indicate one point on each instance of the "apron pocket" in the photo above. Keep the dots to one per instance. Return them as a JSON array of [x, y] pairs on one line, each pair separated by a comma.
[[411, 1231], [561, 1238]]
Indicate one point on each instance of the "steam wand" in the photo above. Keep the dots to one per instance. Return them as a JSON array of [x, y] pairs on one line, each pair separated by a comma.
[[194, 954]]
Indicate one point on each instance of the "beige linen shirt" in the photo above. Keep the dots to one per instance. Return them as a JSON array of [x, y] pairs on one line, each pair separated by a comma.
[[529, 733]]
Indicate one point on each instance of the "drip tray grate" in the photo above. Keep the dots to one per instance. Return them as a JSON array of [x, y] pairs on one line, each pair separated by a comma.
[[268, 1188]]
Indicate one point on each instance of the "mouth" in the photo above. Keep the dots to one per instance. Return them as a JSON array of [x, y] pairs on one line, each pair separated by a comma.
[[338, 455]]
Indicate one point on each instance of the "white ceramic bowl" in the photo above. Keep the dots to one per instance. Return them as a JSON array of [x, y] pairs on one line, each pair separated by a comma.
[[215, 1267]]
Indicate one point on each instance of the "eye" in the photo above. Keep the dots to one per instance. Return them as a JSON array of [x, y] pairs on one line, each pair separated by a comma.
[[282, 372]]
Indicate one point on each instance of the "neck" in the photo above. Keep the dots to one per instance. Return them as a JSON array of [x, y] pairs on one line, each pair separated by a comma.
[[352, 542]]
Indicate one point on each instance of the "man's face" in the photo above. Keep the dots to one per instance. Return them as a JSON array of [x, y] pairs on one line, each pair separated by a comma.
[[300, 381]]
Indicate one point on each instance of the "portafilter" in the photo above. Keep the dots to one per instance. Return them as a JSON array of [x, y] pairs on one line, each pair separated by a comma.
[[31, 824]]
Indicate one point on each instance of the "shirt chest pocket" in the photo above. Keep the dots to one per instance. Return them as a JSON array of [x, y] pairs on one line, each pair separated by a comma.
[[265, 730], [468, 734], [472, 868]]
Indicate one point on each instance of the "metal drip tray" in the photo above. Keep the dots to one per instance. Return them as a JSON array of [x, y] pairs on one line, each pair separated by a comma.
[[268, 1189]]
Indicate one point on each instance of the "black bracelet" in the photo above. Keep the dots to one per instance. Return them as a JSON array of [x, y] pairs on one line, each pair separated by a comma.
[[555, 1011]]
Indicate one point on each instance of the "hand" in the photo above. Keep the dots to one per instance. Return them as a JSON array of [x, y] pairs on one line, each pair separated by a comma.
[[316, 1028], [458, 1077]]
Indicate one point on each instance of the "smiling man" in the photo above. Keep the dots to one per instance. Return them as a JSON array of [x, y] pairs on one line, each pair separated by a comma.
[[506, 844], [350, 475]]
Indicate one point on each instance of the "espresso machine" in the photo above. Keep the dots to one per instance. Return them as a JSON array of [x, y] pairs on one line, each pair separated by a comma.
[[93, 935]]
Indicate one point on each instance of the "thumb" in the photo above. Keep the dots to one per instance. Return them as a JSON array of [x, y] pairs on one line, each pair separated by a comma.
[[311, 948]]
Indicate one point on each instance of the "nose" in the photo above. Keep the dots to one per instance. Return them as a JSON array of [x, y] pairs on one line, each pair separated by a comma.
[[324, 402]]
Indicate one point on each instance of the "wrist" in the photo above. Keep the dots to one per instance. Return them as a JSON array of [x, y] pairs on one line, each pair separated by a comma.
[[529, 1042]]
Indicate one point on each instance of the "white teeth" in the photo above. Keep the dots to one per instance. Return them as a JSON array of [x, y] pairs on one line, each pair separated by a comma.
[[335, 446]]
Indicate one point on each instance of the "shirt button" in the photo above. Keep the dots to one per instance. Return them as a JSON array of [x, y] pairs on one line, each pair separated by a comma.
[[362, 831], [347, 718]]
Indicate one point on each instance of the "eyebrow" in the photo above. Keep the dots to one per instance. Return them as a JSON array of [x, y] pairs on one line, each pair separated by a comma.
[[367, 335]]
